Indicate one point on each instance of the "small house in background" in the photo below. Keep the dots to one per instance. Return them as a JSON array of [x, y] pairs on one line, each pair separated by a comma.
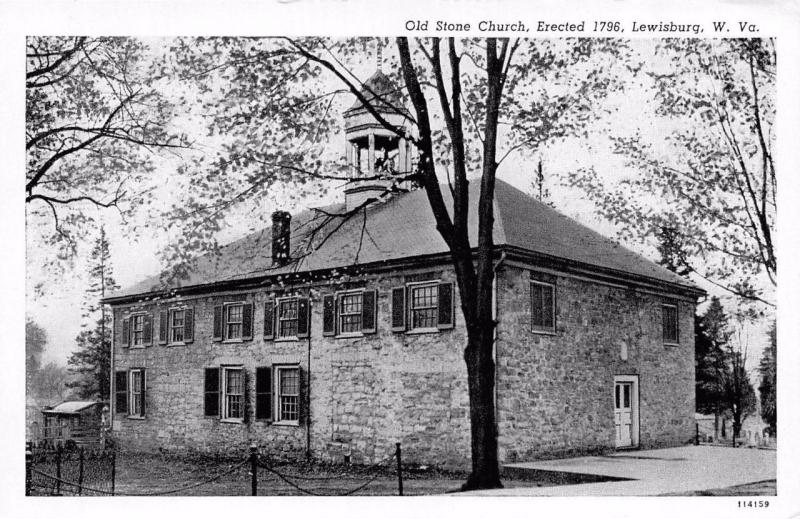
[[77, 421]]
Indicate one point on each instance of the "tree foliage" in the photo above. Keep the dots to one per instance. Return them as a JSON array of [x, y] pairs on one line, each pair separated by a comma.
[[94, 121], [711, 367], [767, 389], [91, 361], [710, 163]]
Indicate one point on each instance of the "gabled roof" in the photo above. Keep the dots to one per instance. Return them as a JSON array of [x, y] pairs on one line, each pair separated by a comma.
[[380, 92], [71, 407], [403, 228]]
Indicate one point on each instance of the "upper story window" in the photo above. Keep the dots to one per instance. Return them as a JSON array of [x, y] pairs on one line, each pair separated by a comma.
[[137, 330], [233, 321], [177, 322], [350, 309], [543, 316], [287, 317], [669, 323], [422, 306]]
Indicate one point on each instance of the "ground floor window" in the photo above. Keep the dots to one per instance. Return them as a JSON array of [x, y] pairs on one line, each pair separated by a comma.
[[136, 393], [233, 393], [288, 394]]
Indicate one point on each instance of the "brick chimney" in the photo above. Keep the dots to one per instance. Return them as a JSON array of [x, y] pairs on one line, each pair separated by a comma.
[[281, 235]]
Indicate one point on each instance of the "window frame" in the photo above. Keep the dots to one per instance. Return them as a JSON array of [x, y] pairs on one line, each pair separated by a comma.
[[224, 394], [541, 329], [278, 394], [171, 328], [338, 314], [279, 320], [134, 374], [139, 316], [665, 340], [226, 322], [410, 324]]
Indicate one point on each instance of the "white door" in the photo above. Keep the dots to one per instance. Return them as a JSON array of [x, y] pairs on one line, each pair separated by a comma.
[[623, 413]]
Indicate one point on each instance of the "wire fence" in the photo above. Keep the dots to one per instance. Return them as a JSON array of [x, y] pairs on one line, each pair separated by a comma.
[[93, 473]]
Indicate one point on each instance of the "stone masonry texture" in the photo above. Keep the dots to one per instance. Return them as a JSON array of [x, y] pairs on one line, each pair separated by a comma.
[[363, 394]]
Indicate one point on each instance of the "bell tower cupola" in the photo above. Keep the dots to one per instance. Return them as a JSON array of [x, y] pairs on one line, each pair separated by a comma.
[[374, 153]]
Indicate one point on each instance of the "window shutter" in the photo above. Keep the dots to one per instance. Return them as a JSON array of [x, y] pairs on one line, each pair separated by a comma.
[[163, 317], [247, 321], [121, 392], [126, 332], [264, 393], [144, 390], [445, 306], [303, 318], [248, 405], [269, 320], [211, 390], [147, 329], [302, 407], [188, 325], [369, 311], [399, 309], [217, 323], [328, 315]]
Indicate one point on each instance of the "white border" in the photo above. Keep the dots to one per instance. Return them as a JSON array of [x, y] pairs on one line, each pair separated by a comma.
[[336, 17]]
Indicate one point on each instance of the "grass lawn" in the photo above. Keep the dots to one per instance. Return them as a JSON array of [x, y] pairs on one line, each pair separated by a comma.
[[147, 473]]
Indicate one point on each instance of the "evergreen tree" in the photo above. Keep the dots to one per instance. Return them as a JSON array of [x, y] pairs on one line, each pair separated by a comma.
[[35, 342], [711, 368], [92, 360], [767, 389], [740, 397], [673, 256]]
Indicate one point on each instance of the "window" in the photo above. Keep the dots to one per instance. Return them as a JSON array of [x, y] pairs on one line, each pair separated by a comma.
[[137, 330], [176, 329], [543, 316], [136, 393], [233, 321], [287, 318], [424, 306], [350, 308], [669, 319], [233, 394], [288, 394]]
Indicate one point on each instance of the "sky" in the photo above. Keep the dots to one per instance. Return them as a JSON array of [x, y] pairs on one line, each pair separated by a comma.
[[58, 309]]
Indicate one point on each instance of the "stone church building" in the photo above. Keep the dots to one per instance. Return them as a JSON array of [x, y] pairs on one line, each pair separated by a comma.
[[336, 337]]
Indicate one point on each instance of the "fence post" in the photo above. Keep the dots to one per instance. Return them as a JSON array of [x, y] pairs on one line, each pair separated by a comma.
[[28, 466], [398, 455], [58, 469], [80, 471], [253, 470], [113, 471], [697, 433]]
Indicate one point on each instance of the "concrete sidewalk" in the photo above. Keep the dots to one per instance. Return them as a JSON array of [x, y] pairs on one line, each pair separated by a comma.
[[653, 472]]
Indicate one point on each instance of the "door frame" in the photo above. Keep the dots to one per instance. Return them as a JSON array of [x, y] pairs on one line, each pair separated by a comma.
[[634, 381]]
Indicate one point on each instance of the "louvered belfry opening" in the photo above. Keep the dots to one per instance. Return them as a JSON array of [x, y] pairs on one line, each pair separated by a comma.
[[281, 237]]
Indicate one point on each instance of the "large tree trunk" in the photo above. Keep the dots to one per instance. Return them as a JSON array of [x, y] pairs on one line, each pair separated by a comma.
[[483, 431]]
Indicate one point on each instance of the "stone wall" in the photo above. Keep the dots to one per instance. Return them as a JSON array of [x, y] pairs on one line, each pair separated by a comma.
[[555, 391], [364, 393]]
